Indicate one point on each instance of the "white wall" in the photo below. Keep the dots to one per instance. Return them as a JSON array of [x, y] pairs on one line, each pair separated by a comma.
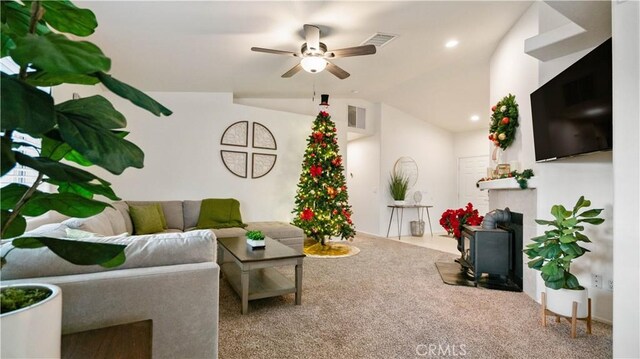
[[471, 143], [626, 161], [432, 149], [563, 181], [182, 153], [363, 179]]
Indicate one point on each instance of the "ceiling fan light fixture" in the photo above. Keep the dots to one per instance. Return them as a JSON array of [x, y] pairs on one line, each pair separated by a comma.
[[313, 64]]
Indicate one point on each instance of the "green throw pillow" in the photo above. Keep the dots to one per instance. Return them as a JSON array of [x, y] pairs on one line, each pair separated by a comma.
[[146, 219], [219, 213], [162, 217]]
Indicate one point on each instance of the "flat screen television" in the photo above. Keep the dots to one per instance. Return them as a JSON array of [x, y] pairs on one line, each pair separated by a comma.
[[572, 113]]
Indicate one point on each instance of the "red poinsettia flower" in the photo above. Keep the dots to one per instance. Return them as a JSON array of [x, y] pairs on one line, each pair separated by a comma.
[[453, 219], [315, 170], [337, 161], [324, 114], [306, 215]]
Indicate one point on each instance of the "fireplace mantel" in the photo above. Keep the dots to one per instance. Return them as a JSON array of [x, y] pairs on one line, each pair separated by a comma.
[[505, 183]]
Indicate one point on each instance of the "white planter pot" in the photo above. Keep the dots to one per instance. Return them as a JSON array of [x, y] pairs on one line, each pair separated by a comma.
[[399, 203], [34, 331], [560, 301]]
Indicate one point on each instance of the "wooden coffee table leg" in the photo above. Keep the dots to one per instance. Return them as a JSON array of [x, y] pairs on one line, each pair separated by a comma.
[[299, 282], [244, 282]]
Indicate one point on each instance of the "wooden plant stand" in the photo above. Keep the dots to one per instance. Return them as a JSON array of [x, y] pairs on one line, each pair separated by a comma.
[[573, 319]]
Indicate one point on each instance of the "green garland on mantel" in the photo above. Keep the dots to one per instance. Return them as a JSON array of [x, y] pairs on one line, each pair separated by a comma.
[[520, 177]]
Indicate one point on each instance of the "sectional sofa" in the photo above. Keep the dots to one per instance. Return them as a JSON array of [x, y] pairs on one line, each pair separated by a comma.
[[170, 277]]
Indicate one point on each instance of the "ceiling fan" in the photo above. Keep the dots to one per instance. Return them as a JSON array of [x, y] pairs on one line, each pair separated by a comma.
[[314, 56]]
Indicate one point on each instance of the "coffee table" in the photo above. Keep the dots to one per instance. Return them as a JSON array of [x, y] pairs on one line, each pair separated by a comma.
[[251, 272]]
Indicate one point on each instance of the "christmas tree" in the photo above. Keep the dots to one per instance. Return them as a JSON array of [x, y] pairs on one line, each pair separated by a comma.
[[322, 203]]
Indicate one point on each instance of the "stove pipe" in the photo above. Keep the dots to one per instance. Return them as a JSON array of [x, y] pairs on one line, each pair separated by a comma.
[[492, 218]]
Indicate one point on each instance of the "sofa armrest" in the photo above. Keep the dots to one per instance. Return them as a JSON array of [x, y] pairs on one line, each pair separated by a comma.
[[182, 301]]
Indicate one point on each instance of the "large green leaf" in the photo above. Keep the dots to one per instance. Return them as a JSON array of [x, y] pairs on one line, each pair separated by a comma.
[[54, 148], [571, 249], [594, 221], [536, 263], [581, 203], [134, 95], [570, 222], [69, 204], [6, 42], [550, 251], [80, 253], [567, 238], [64, 16], [559, 212], [25, 108], [96, 110], [86, 190], [545, 222], [590, 213], [16, 18], [11, 194], [550, 269], [43, 78], [98, 145], [582, 237], [557, 284], [8, 159], [56, 54], [15, 228], [56, 170], [571, 282]]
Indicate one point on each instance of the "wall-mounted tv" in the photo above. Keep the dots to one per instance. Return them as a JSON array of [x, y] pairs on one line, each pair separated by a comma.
[[572, 113]]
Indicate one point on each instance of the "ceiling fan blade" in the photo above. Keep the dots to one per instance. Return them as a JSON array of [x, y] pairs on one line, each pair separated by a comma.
[[272, 51], [337, 71], [351, 51], [312, 37], [294, 70]]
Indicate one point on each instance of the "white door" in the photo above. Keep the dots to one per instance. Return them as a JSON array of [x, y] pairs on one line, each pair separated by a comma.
[[470, 170]]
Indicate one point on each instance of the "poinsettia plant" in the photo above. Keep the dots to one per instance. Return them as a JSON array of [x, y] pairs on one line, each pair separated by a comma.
[[453, 219]]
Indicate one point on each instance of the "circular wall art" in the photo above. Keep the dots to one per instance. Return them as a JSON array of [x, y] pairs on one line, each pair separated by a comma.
[[409, 168], [237, 134]]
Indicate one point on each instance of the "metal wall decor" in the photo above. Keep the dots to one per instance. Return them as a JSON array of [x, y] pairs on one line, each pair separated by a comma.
[[237, 134]]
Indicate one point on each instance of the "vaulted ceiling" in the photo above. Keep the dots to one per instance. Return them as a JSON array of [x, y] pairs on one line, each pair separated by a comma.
[[205, 47]]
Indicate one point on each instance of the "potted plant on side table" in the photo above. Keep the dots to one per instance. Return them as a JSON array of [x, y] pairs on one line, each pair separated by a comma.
[[553, 253], [398, 186]]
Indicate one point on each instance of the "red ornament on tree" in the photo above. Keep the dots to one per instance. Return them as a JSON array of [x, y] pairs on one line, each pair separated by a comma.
[[306, 215], [315, 170], [318, 136]]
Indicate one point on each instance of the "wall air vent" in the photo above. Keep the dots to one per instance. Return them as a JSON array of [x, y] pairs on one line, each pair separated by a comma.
[[356, 117], [379, 39]]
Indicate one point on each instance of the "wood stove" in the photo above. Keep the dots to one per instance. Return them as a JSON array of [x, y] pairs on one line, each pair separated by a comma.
[[494, 249]]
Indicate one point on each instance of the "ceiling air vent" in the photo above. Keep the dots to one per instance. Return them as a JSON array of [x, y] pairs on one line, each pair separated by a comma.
[[379, 39]]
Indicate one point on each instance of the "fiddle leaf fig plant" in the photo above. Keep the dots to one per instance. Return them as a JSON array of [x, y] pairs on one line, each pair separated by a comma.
[[84, 131], [553, 252]]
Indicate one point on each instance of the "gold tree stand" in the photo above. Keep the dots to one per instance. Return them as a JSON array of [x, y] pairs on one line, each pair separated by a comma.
[[573, 319], [329, 250]]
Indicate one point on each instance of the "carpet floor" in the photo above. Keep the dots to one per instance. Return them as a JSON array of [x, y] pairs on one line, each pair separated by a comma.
[[389, 302]]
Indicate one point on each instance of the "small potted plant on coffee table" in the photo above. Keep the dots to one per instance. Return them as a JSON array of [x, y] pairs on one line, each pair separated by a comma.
[[255, 239]]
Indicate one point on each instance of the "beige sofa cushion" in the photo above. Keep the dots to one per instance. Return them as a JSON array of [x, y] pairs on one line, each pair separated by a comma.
[[191, 213], [109, 222], [142, 251], [276, 230], [229, 232], [172, 212], [123, 207]]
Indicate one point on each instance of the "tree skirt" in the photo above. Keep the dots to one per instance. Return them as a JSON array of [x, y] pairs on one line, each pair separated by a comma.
[[329, 250]]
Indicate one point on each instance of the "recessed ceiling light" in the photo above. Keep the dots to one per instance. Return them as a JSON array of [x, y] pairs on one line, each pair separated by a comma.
[[451, 43], [475, 118], [355, 91]]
